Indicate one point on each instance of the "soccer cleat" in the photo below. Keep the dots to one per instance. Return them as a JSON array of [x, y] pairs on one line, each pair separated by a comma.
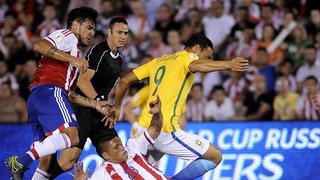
[[16, 169]]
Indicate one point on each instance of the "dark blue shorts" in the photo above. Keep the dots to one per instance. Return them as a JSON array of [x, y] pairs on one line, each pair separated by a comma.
[[49, 111]]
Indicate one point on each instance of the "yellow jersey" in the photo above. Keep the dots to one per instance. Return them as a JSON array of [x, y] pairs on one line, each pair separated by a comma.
[[286, 107], [140, 99], [171, 80]]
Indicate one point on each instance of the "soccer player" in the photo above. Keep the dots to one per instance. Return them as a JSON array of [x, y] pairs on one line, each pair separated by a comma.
[[54, 123], [128, 162], [96, 83], [170, 77]]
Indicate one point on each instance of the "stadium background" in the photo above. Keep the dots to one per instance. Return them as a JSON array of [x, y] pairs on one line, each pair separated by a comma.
[[280, 37]]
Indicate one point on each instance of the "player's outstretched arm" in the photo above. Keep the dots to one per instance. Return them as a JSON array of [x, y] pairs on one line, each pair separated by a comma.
[[208, 65], [45, 48], [121, 88], [157, 118], [101, 106]]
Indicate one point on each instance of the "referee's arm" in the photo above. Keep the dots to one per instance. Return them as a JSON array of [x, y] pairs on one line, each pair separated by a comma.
[[84, 80]]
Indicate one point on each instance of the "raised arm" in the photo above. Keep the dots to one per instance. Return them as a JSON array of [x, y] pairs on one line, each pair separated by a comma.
[[101, 106], [209, 65], [121, 89], [157, 119], [45, 48]]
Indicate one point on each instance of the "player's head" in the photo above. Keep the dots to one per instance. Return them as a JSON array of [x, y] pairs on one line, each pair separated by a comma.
[[200, 45], [118, 32], [111, 149], [82, 22]]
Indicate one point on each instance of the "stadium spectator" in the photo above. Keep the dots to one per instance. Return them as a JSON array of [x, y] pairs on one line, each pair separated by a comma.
[[174, 41], [157, 47], [286, 68], [306, 110], [234, 85], [242, 22], [196, 104], [268, 36], [245, 45], [220, 108], [217, 25], [258, 103], [165, 21], [138, 21], [12, 108], [7, 77], [105, 14], [266, 19], [29, 69], [313, 25], [309, 68], [192, 25], [296, 44], [285, 102], [253, 9], [50, 22], [260, 65]]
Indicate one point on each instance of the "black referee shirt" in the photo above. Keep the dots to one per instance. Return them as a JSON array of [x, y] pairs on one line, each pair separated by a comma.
[[107, 67]]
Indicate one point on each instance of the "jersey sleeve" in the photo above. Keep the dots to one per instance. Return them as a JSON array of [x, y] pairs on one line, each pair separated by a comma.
[[142, 71], [187, 59], [94, 57], [141, 96], [63, 40], [141, 143]]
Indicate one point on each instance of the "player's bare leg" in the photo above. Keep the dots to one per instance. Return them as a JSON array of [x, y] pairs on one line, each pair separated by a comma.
[[42, 170], [66, 161], [210, 159], [50, 145]]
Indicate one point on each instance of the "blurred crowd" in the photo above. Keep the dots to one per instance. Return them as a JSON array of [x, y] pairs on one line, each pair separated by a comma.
[[281, 38]]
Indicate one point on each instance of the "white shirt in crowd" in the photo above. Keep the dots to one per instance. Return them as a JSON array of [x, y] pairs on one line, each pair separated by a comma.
[[219, 113], [306, 70], [217, 29]]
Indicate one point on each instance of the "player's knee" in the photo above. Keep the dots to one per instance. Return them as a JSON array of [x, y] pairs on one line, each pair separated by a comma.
[[72, 133], [214, 155], [67, 165]]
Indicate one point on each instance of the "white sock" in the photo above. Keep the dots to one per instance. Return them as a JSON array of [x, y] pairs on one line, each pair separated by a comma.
[[49, 146], [40, 175]]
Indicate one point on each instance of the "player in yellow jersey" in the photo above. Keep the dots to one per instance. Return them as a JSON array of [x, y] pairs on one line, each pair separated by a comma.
[[140, 100], [171, 77]]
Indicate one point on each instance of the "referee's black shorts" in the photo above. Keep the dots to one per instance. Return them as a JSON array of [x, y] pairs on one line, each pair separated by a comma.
[[90, 124]]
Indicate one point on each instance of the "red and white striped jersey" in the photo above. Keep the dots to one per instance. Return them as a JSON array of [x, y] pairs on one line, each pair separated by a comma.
[[56, 72], [136, 167], [307, 109]]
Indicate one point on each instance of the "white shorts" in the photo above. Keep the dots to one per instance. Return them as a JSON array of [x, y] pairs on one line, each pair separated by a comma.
[[181, 144]]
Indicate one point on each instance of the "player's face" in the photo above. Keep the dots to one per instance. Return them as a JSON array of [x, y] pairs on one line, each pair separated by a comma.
[[86, 32], [116, 151], [206, 53], [119, 34]]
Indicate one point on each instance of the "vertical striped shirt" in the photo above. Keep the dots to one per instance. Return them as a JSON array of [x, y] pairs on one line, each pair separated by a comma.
[[135, 167]]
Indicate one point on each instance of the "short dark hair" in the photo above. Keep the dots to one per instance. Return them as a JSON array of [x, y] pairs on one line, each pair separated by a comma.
[[312, 78], [103, 143], [262, 49], [311, 46], [217, 88], [81, 14], [117, 20], [199, 39], [197, 84]]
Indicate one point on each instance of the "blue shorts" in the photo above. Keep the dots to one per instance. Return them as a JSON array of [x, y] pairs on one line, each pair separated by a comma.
[[49, 111]]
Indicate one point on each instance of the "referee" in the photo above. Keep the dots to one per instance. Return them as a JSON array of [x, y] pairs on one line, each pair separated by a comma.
[[104, 69]]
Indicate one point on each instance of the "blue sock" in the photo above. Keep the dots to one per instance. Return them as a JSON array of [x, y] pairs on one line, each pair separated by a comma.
[[194, 170], [25, 159]]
